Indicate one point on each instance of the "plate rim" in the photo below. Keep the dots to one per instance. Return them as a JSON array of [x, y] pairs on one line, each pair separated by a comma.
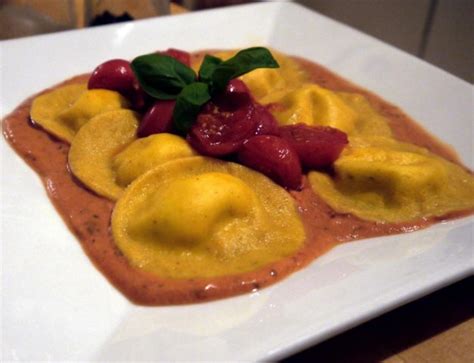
[[304, 342]]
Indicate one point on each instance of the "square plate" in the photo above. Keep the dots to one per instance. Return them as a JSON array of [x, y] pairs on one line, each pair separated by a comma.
[[57, 306]]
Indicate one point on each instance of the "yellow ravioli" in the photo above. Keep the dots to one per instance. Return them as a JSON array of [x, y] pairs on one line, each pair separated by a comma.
[[46, 108], [63, 111], [388, 181], [268, 84], [94, 147], [89, 104], [368, 121], [106, 155], [200, 217], [144, 154], [314, 105], [296, 99]]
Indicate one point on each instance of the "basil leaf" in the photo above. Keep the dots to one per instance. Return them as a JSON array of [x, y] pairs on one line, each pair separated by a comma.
[[188, 105], [243, 62], [162, 76], [207, 68]]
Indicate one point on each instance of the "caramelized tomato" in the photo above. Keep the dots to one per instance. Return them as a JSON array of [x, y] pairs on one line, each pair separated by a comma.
[[317, 146], [274, 157]]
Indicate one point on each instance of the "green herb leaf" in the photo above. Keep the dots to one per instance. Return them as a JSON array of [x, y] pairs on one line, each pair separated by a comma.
[[188, 105], [162, 76], [243, 62], [207, 68]]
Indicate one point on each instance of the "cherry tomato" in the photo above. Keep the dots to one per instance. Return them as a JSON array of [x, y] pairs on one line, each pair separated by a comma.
[[179, 55], [274, 157], [230, 119], [115, 75], [317, 146], [266, 123], [235, 96], [139, 98], [217, 133], [159, 118]]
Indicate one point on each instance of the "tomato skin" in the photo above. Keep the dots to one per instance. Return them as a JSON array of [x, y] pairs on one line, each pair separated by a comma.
[[115, 75], [266, 123], [140, 99], [273, 156], [158, 118], [179, 55], [226, 122], [235, 96], [220, 134], [317, 146]]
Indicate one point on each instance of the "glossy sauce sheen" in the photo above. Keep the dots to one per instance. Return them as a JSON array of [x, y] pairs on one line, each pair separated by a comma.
[[88, 215]]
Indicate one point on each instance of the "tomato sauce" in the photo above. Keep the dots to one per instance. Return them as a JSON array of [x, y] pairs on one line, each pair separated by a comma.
[[88, 215]]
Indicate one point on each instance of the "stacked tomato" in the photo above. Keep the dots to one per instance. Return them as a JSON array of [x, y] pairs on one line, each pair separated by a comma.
[[232, 125]]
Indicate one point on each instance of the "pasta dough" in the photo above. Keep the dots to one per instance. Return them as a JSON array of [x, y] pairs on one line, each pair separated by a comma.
[[200, 217]]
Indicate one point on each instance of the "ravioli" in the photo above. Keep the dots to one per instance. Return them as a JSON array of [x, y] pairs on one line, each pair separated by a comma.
[[46, 108], [63, 111], [94, 147], [145, 153], [368, 122], [107, 156], [89, 104], [200, 217], [314, 105], [293, 99], [268, 85], [383, 180]]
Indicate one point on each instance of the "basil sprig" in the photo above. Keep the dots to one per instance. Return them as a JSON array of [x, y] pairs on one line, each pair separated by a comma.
[[243, 62], [188, 104], [165, 78], [208, 66], [162, 76]]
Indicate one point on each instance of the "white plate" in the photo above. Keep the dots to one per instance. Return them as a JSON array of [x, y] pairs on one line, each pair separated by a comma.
[[57, 306]]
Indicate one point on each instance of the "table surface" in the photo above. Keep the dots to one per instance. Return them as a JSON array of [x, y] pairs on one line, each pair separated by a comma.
[[437, 328]]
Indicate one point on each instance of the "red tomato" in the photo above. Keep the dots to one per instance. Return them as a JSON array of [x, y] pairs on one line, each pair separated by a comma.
[[267, 124], [317, 146], [274, 157], [179, 55], [235, 96], [159, 118], [139, 98], [115, 75], [218, 133], [230, 119]]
